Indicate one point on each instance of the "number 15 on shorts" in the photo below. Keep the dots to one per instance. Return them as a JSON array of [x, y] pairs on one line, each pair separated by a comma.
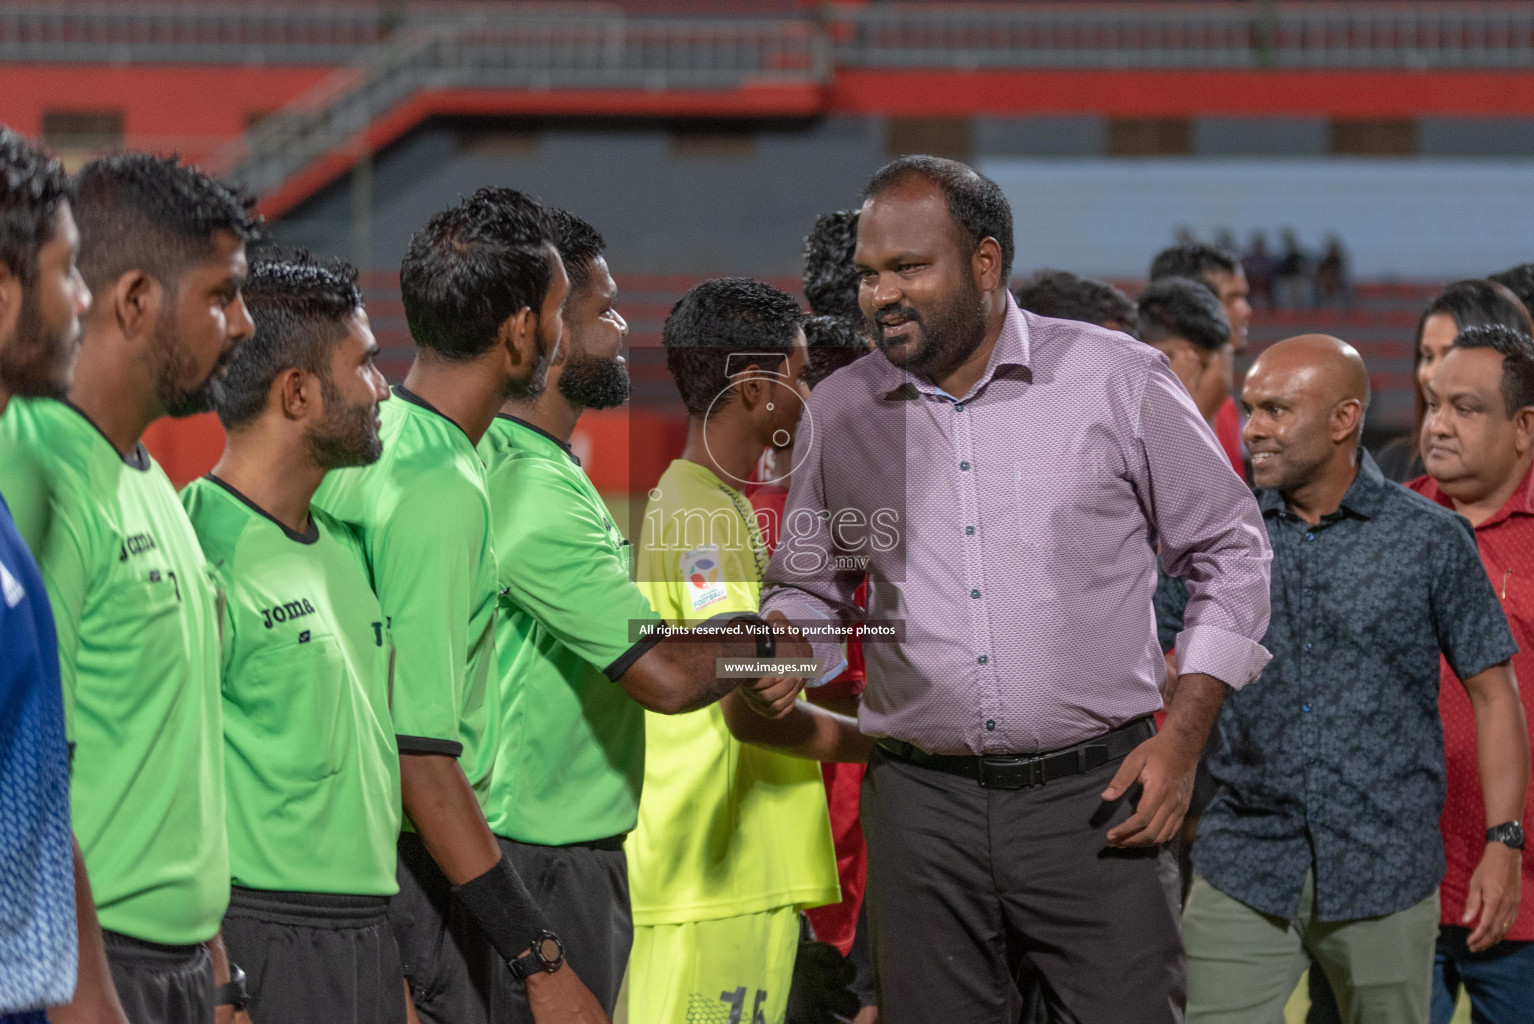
[[737, 1002]]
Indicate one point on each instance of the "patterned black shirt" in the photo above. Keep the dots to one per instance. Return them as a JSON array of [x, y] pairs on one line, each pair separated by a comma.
[[1338, 747]]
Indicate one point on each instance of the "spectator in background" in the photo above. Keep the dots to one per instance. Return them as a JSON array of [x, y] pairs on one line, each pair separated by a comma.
[[1479, 437], [1462, 305], [1182, 319], [1067, 296], [1332, 285], [1291, 274], [1223, 273], [1520, 281], [1259, 270]]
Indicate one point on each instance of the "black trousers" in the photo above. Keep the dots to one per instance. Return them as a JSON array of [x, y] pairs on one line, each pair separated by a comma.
[[315, 958], [161, 984], [970, 888], [584, 893], [445, 958]]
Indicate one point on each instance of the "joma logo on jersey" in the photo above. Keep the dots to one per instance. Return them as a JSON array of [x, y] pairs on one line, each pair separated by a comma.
[[286, 612], [137, 544]]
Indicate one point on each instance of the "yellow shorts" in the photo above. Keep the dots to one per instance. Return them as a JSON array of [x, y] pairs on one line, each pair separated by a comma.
[[732, 970]]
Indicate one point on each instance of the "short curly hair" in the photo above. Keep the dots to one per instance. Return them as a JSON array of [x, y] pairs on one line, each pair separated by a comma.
[[976, 203], [717, 319], [1182, 307], [473, 267], [830, 278], [580, 245], [833, 344], [155, 215], [1195, 260], [1066, 296], [299, 305], [33, 186]]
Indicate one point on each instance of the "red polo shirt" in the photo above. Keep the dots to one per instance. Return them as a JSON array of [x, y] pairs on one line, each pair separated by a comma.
[[1506, 542]]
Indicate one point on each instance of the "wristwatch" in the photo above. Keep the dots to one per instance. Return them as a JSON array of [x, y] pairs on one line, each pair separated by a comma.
[[766, 640], [232, 993], [1509, 833], [546, 954]]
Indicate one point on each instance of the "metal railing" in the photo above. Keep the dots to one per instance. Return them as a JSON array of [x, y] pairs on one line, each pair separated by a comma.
[[1468, 34], [187, 34], [1216, 34], [532, 50]]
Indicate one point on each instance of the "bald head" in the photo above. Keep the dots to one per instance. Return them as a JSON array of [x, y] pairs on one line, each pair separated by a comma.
[[1305, 399], [1328, 363]]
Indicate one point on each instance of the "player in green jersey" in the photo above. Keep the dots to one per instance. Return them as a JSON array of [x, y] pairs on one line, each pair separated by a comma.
[[574, 678], [733, 839], [482, 286], [163, 252], [311, 769]]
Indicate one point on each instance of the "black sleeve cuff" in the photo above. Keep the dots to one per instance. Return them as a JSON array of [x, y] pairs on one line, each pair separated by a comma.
[[427, 745], [626, 660]]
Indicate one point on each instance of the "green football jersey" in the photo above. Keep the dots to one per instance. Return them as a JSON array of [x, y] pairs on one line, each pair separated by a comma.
[[424, 519], [135, 605], [571, 753], [311, 772]]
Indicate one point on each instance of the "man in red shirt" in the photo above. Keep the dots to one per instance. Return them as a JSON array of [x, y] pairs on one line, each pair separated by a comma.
[[1478, 446]]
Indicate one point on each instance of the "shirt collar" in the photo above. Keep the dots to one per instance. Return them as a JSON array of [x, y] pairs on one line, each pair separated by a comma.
[[1519, 503], [1364, 496], [562, 446], [1011, 353]]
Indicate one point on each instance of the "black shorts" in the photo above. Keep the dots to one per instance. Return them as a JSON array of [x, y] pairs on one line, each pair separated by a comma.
[[161, 984], [584, 892], [315, 958], [446, 959]]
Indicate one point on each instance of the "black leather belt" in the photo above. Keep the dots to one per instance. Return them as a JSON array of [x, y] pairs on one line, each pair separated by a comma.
[[1024, 771]]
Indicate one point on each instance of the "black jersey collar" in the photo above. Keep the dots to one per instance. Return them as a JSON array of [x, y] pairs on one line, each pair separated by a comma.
[[563, 446], [308, 537], [137, 459]]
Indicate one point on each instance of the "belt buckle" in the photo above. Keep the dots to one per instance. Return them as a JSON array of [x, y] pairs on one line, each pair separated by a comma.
[[1022, 773]]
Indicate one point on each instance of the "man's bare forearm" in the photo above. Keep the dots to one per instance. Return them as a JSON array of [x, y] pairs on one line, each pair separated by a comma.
[[95, 995], [1192, 712], [1502, 743], [680, 674], [807, 731], [441, 804]]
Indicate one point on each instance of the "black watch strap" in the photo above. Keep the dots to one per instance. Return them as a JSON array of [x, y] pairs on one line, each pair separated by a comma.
[[233, 992], [1509, 833], [545, 955], [761, 632]]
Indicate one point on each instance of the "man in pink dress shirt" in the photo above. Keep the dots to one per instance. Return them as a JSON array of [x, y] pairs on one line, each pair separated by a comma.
[[1004, 481]]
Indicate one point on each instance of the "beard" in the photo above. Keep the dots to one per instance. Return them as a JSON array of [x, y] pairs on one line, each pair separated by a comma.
[[589, 382], [39, 360], [949, 334], [349, 435], [172, 365], [532, 388]]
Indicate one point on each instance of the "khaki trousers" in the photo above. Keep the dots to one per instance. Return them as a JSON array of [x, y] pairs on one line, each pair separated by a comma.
[[1243, 964]]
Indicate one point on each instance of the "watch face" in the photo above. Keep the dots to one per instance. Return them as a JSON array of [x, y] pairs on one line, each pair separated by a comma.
[[549, 951]]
